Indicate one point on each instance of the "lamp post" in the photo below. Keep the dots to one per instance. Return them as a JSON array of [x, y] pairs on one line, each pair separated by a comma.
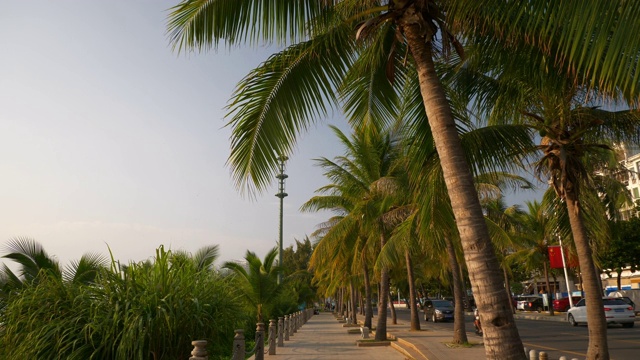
[[281, 194]]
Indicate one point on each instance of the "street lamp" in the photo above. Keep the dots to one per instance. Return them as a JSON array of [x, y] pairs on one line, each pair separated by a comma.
[[281, 194]]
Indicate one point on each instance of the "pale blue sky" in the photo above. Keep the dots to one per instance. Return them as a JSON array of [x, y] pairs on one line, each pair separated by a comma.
[[109, 137]]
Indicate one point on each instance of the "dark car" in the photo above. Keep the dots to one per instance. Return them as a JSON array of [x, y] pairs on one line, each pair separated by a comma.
[[534, 305], [438, 310]]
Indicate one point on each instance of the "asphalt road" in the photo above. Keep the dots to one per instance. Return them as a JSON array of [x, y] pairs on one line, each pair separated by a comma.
[[557, 338]]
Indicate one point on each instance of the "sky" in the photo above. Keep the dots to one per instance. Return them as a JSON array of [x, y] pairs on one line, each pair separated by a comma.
[[110, 140]]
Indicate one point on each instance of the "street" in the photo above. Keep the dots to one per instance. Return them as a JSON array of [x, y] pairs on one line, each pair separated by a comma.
[[555, 338]]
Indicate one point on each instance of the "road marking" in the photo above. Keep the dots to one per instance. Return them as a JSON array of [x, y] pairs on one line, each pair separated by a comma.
[[608, 337], [626, 341], [555, 349], [573, 334]]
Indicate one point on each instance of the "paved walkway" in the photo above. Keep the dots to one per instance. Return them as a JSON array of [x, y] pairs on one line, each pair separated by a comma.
[[433, 344], [322, 337]]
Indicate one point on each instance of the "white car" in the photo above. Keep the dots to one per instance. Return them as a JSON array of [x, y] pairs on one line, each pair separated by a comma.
[[616, 311]]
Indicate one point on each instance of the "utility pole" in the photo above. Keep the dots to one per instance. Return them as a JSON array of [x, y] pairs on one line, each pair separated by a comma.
[[281, 194]]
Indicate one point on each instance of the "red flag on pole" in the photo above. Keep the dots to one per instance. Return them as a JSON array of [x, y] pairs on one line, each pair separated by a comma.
[[555, 257]]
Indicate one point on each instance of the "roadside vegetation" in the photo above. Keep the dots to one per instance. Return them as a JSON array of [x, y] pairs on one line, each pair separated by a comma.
[[98, 309]]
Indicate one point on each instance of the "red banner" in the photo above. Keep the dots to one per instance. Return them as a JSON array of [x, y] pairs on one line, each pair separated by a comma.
[[555, 258]]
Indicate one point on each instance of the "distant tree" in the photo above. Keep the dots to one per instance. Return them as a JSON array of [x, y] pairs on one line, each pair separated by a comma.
[[624, 250], [294, 260], [296, 269]]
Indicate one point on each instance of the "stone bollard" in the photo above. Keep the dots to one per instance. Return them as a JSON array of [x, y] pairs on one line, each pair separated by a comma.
[[543, 356], [199, 351], [292, 328], [292, 324], [280, 331], [533, 355], [295, 322], [272, 337], [364, 332], [259, 341], [238, 345], [286, 327]]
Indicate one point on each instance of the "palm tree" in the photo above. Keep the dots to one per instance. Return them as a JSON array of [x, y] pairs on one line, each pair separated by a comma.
[[34, 263], [358, 194], [202, 260], [536, 238], [576, 139], [258, 282], [506, 231], [285, 94]]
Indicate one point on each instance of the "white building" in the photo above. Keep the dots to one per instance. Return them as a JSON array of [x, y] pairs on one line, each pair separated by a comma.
[[630, 158]]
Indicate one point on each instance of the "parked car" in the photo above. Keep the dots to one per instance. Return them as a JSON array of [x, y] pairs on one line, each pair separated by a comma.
[[438, 310], [523, 300], [616, 311], [534, 305], [563, 304]]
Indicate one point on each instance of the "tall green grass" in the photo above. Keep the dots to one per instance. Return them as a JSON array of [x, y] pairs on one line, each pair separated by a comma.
[[146, 310]]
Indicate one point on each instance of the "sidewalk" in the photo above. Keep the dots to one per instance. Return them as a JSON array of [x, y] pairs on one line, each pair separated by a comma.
[[322, 337], [430, 344]]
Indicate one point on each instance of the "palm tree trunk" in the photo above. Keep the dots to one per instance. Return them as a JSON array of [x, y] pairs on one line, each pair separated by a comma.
[[367, 295], [549, 292], [619, 280], [501, 337], [354, 304], [415, 316], [507, 287], [598, 346], [381, 326], [383, 296], [459, 330], [394, 315]]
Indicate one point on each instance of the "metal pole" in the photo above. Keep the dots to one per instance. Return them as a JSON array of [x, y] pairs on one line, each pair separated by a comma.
[[281, 194], [566, 276]]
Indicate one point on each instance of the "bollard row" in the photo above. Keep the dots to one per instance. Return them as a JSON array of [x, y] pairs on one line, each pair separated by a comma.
[[286, 326], [534, 355]]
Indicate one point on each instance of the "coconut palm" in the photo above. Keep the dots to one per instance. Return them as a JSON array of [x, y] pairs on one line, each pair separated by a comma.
[[577, 138], [358, 193], [536, 238], [284, 95], [34, 263], [258, 282]]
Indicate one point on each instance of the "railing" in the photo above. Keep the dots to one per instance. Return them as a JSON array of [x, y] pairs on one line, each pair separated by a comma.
[[286, 327]]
